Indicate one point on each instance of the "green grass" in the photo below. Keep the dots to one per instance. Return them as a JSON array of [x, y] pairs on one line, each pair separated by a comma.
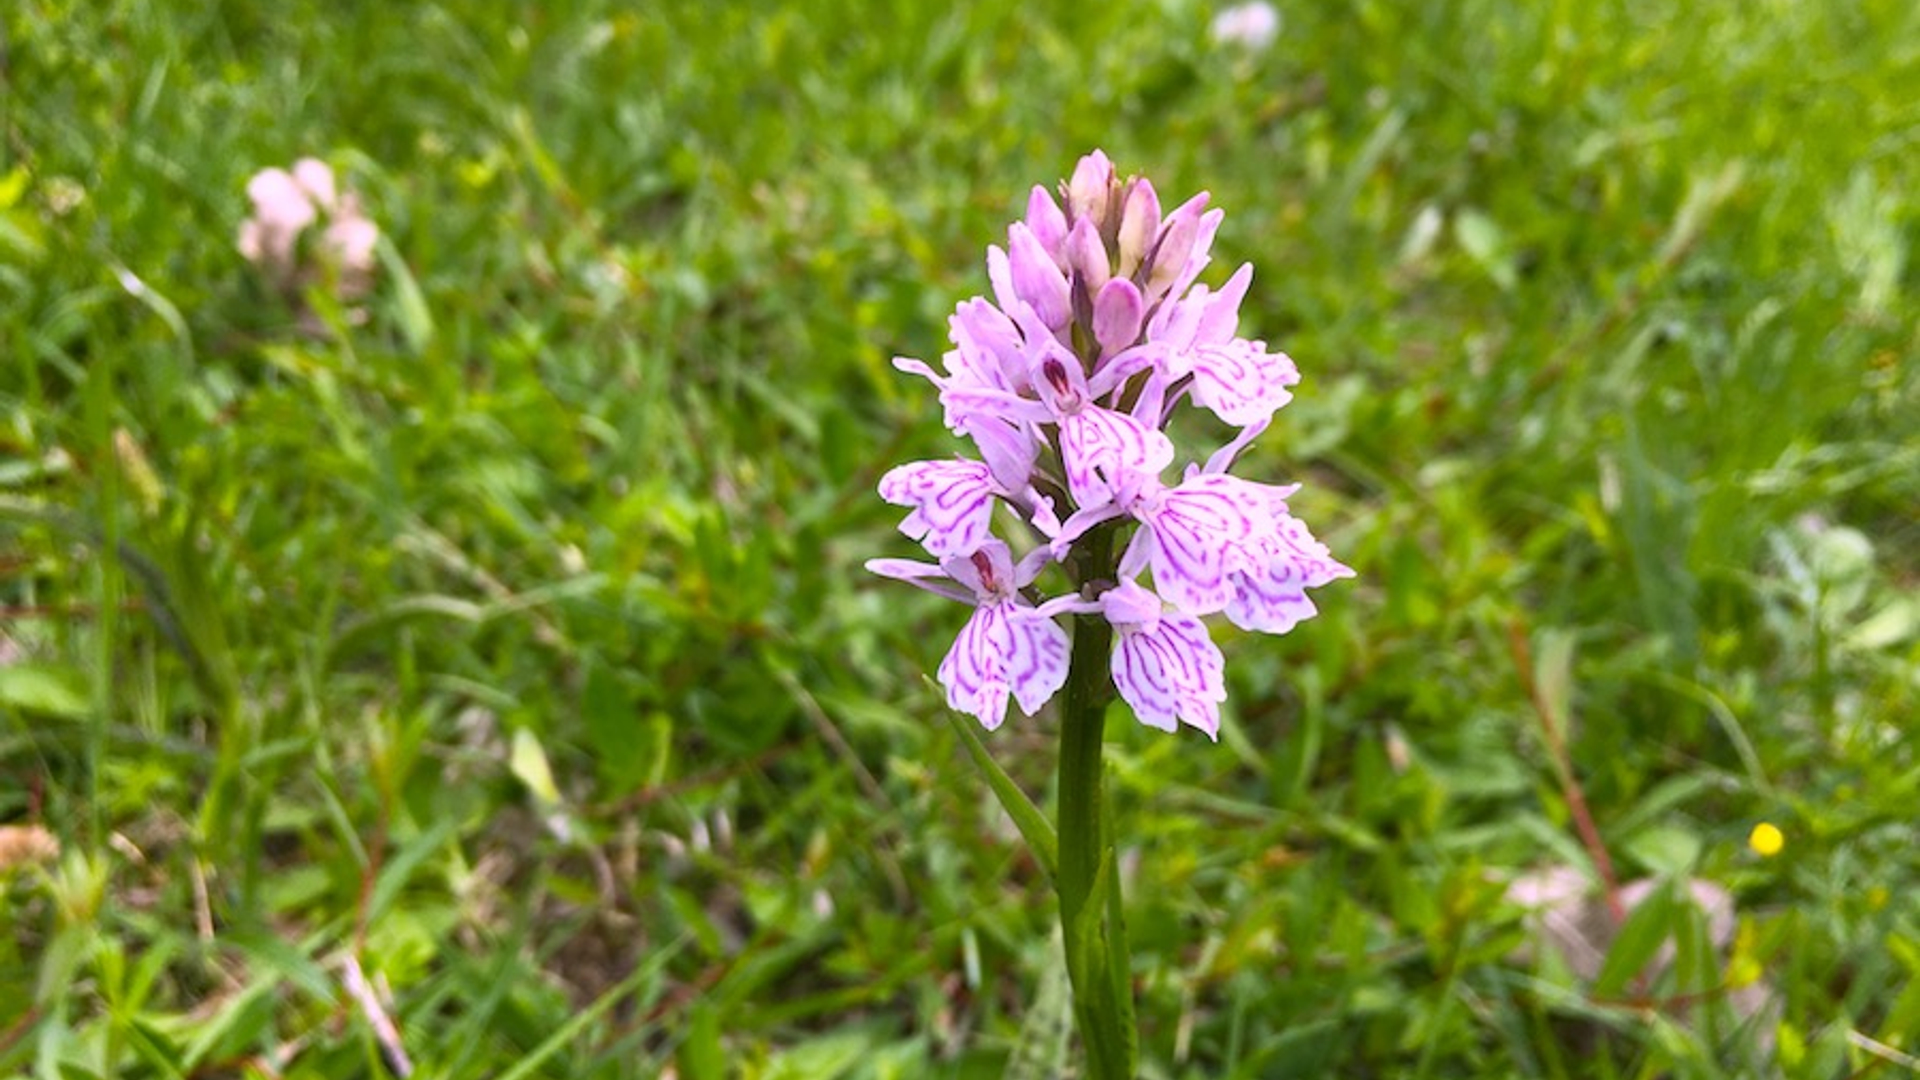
[[1608, 325]]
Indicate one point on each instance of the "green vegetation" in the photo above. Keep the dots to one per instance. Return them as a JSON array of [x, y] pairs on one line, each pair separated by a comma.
[[512, 640]]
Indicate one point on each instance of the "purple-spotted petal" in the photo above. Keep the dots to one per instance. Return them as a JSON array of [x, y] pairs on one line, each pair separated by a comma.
[[1037, 661], [952, 503], [1170, 672], [1102, 448], [1004, 650], [974, 671], [1200, 532], [1271, 596], [1241, 382]]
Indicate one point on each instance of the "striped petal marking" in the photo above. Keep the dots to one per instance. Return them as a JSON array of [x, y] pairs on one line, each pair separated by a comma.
[[1199, 533], [1271, 596], [1004, 650], [1241, 382], [1165, 666], [952, 503]]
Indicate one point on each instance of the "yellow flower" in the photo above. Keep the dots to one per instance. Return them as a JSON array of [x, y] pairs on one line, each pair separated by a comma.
[[1766, 840]]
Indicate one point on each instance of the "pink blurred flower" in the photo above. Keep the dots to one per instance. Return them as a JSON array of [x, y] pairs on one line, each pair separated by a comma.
[[1252, 26], [286, 205]]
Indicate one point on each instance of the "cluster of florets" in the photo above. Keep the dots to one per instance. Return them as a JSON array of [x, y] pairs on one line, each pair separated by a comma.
[[1065, 382], [286, 204]]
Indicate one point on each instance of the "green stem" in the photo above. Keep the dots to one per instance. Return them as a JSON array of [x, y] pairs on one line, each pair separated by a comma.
[[1088, 882]]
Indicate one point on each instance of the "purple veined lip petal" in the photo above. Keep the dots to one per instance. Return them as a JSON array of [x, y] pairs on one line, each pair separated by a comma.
[[1139, 221], [1096, 439], [1203, 530], [1087, 256], [972, 670], [1270, 596], [1240, 382], [1171, 673], [952, 503], [1004, 650], [1117, 312], [1036, 663], [1307, 558], [1036, 278], [1267, 604], [1048, 222]]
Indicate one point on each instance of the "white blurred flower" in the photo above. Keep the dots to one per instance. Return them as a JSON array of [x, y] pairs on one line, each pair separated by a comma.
[[1252, 26]]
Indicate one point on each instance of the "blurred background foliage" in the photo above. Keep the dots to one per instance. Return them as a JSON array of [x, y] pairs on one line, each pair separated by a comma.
[[510, 639]]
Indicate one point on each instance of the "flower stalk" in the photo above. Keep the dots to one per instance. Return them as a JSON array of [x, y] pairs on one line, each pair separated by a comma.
[[1065, 382], [1088, 882]]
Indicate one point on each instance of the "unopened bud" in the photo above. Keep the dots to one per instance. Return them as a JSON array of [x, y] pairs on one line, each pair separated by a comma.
[[1048, 222], [1036, 279], [1139, 220], [1117, 313], [1086, 256], [1091, 188]]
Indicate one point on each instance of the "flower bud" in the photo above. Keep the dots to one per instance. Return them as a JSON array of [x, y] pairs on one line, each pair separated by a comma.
[[1087, 256], [1117, 313], [1048, 223], [1091, 188], [1139, 220], [1036, 279], [1174, 246]]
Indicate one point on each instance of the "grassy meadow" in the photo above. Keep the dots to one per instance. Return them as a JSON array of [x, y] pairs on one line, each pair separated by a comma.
[[492, 654]]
